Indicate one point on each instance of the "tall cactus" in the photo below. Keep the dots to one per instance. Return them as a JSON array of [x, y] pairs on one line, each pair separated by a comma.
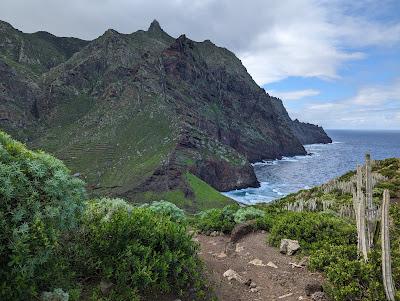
[[359, 207], [385, 241], [371, 213]]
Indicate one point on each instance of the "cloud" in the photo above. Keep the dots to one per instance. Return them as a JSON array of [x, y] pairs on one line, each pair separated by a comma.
[[374, 107], [294, 95], [377, 95], [275, 39]]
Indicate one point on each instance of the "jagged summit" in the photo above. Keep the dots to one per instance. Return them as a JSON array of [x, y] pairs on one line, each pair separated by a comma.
[[155, 26], [110, 32]]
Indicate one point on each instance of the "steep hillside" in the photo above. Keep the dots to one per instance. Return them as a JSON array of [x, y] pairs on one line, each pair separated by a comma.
[[144, 115]]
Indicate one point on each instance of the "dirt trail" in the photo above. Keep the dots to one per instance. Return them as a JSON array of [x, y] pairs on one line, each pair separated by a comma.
[[283, 283]]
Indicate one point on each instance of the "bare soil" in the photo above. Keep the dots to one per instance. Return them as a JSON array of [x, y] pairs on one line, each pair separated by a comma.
[[284, 283]]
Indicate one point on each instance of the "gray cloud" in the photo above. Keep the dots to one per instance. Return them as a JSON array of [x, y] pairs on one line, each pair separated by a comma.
[[275, 39]]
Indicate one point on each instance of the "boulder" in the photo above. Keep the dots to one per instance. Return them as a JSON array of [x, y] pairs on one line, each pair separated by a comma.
[[289, 246], [242, 230], [313, 287]]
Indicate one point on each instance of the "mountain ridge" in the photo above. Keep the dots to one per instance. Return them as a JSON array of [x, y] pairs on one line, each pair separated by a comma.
[[144, 115]]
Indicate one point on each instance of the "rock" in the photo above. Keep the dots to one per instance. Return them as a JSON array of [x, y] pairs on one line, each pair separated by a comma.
[[272, 265], [220, 255], [257, 262], [242, 230], [285, 296], [289, 246], [313, 287], [214, 233], [319, 296], [239, 248], [77, 175], [105, 287], [254, 290], [233, 275]]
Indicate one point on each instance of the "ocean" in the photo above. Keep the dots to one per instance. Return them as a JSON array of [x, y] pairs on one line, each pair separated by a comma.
[[324, 162]]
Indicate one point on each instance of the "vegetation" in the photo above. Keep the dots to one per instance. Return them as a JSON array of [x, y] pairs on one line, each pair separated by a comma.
[[330, 239], [168, 209], [57, 246], [313, 230], [137, 250], [39, 202]]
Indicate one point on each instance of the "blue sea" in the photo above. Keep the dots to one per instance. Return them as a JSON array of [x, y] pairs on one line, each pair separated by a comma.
[[326, 161]]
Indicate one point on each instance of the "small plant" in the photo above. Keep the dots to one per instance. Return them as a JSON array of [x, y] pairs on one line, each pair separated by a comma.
[[168, 209], [217, 219], [247, 213], [57, 295]]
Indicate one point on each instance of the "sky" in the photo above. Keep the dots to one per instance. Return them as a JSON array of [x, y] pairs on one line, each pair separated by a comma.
[[335, 63]]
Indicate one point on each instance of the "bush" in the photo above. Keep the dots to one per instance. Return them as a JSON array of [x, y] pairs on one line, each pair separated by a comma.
[[266, 222], [168, 209], [349, 278], [217, 219], [247, 213], [139, 251], [312, 230], [39, 201]]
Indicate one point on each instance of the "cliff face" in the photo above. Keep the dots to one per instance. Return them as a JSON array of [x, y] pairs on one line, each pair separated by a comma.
[[141, 113]]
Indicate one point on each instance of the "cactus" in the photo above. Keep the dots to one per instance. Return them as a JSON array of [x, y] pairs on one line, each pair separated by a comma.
[[385, 241], [359, 207], [371, 212]]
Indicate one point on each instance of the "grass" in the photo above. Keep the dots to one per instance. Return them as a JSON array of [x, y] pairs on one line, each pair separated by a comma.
[[206, 196]]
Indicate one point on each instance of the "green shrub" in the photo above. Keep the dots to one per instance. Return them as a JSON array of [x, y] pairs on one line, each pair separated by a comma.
[[349, 278], [217, 219], [137, 249], [266, 222], [247, 213], [168, 209], [312, 230], [39, 201]]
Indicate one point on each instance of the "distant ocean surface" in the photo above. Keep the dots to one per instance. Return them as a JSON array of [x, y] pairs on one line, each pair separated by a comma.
[[327, 161]]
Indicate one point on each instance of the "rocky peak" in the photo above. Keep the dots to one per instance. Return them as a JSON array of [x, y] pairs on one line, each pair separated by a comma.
[[155, 27], [110, 32], [182, 43]]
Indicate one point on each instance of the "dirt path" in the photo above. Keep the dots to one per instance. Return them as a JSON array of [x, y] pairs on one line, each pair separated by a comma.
[[282, 283]]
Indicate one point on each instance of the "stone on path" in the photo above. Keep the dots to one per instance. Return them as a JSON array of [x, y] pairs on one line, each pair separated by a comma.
[[239, 248], [289, 246], [257, 262], [285, 296], [233, 275], [272, 265]]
